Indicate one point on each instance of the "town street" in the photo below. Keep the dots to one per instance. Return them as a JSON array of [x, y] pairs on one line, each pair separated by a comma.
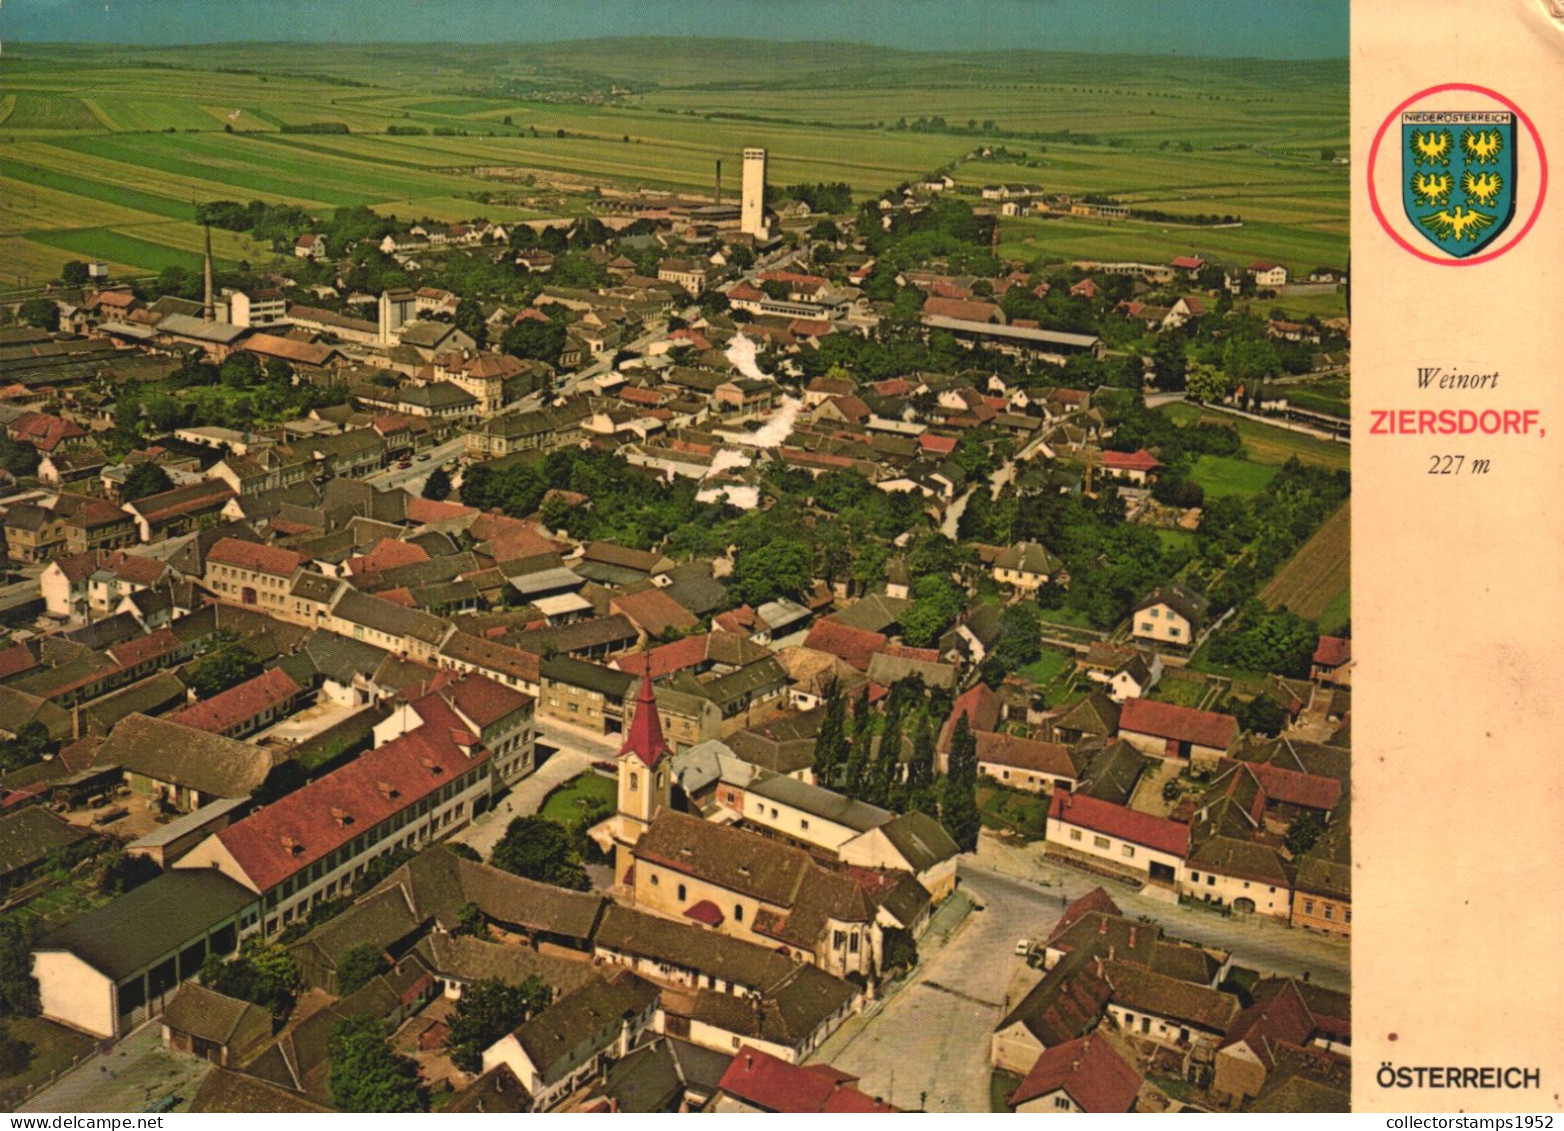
[[927, 1043]]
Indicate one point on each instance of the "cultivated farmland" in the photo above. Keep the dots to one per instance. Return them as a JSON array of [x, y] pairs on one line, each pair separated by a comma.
[[1319, 573], [156, 131]]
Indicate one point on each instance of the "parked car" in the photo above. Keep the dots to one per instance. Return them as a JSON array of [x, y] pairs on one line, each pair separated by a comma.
[[1023, 946]]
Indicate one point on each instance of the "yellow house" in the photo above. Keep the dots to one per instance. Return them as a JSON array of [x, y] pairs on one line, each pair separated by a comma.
[[1026, 566], [1170, 614]]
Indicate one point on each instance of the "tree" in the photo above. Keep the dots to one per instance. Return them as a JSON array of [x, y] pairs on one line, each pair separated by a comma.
[[920, 770], [781, 567], [18, 987], [31, 744], [366, 1075], [1169, 363], [470, 321], [831, 742], [263, 972], [145, 479], [1305, 829], [223, 669], [532, 340], [470, 920], [41, 314], [855, 777], [542, 850], [74, 273], [1020, 636], [15, 1053], [18, 458], [1206, 382], [936, 602], [118, 872], [958, 803], [1262, 715], [438, 485], [486, 1012], [359, 964], [281, 780]]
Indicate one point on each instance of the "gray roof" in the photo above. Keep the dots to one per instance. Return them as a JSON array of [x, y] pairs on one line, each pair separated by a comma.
[[170, 752], [582, 1023], [340, 658], [185, 326], [217, 1017], [163, 915], [921, 840], [383, 616], [593, 677], [28, 835], [823, 803]]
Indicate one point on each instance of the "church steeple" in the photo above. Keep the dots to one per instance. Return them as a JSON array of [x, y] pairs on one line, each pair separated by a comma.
[[645, 739], [645, 777]]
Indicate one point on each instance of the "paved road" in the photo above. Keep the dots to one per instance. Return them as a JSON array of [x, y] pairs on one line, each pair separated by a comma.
[[136, 1073], [573, 755], [413, 477], [928, 1044], [1255, 941]]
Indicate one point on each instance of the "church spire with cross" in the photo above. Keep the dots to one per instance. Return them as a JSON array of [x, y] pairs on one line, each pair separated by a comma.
[[645, 739], [645, 778]]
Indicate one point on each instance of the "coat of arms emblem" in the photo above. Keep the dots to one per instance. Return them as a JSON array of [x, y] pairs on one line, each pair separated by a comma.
[[1458, 176]]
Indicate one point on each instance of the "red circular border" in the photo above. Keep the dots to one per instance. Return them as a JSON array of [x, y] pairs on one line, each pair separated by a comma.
[[1542, 187]]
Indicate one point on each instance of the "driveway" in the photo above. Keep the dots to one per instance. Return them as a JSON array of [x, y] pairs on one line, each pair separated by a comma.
[[135, 1074]]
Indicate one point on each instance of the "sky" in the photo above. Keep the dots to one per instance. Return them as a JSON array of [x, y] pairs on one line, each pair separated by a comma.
[[1297, 29]]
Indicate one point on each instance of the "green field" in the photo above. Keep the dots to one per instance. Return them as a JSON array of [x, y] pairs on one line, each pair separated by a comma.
[[1264, 443], [147, 129], [1048, 667], [1220, 476]]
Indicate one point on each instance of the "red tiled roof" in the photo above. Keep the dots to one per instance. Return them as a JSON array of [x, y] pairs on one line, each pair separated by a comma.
[[1116, 820], [1086, 288], [79, 567], [1095, 900], [746, 293], [239, 704], [312, 822], [43, 431], [765, 1081], [428, 510], [483, 700], [1168, 720], [940, 445], [1333, 651], [666, 658], [511, 538], [1291, 787], [1089, 1071], [705, 912], [645, 739], [981, 707], [1138, 460], [1188, 263], [253, 556], [16, 659], [653, 611], [388, 554], [138, 569], [855, 645], [401, 595], [810, 327], [963, 309], [813, 282], [144, 648]]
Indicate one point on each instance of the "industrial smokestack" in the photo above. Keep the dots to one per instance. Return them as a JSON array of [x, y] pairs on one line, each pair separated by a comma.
[[209, 308]]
